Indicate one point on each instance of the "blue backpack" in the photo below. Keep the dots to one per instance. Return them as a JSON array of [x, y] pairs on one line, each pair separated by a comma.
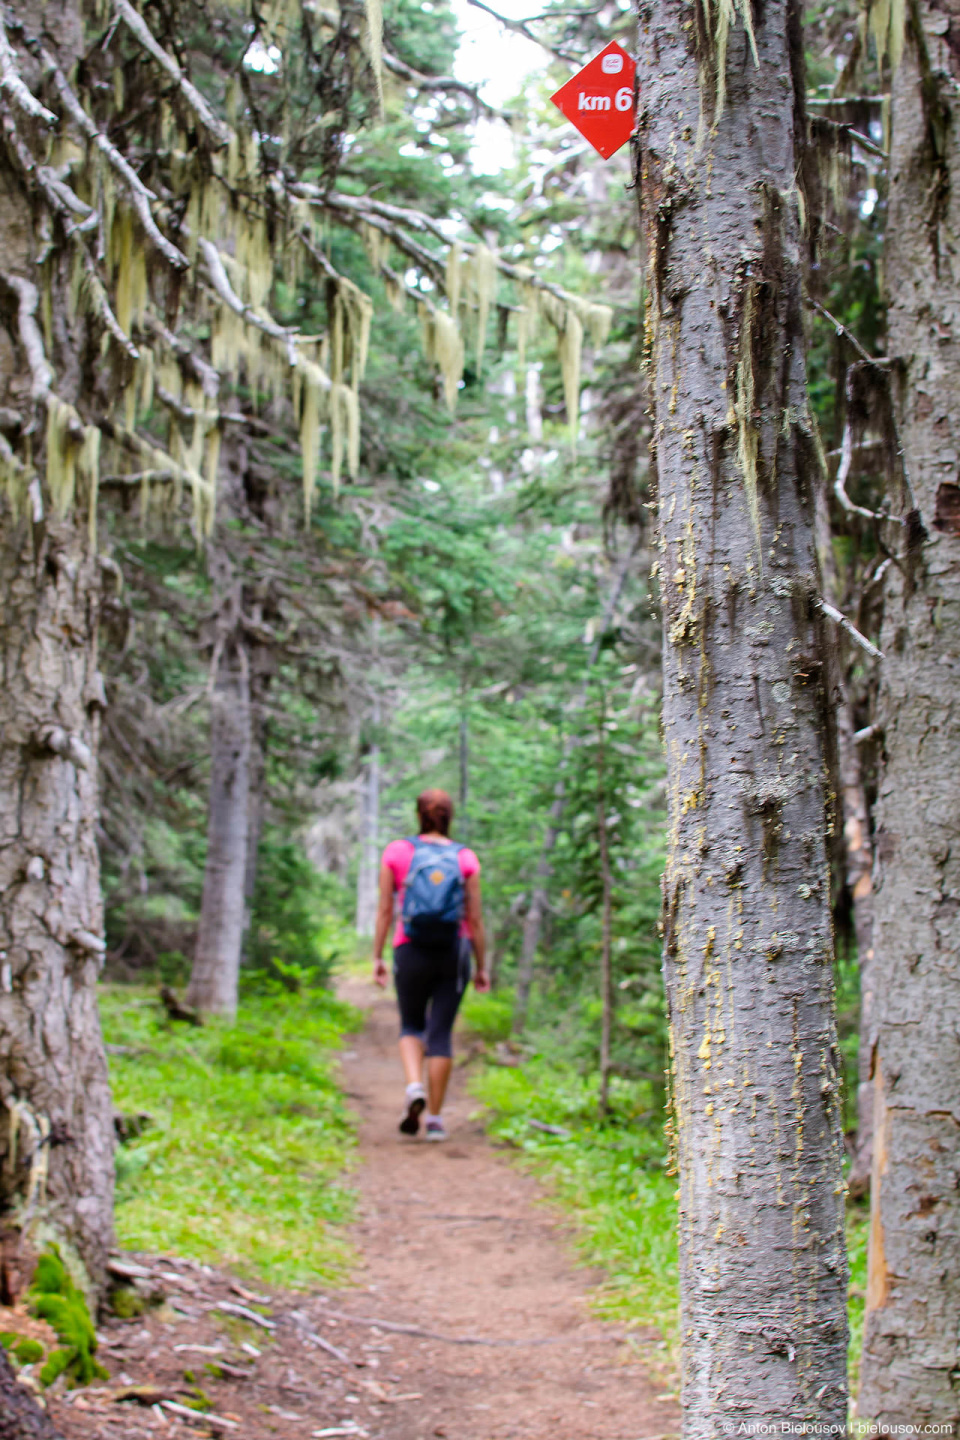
[[433, 896]]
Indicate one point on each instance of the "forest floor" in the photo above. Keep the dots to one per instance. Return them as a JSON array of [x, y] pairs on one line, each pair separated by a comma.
[[469, 1317]]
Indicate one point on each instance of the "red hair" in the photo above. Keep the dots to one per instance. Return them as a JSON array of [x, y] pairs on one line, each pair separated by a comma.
[[434, 811]]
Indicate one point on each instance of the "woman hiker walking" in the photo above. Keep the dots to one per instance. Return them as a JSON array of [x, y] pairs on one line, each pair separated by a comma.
[[433, 887]]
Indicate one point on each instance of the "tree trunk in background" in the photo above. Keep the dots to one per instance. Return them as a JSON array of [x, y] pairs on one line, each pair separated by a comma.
[[858, 849], [858, 858], [464, 788], [56, 1141], [256, 805], [748, 945], [910, 1357], [216, 966], [368, 870]]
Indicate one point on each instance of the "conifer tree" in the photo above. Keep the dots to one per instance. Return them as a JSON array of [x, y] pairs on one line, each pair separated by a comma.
[[748, 943], [909, 1366]]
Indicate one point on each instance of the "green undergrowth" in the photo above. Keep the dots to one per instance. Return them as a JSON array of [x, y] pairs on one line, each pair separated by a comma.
[[243, 1157], [612, 1177]]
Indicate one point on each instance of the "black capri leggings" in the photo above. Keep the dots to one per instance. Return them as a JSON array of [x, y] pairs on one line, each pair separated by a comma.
[[430, 981]]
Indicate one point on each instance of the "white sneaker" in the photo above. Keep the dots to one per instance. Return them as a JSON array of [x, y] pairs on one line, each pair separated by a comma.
[[416, 1103]]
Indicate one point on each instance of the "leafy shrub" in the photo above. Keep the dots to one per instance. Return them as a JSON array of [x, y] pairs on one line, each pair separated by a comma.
[[245, 1162], [489, 1016]]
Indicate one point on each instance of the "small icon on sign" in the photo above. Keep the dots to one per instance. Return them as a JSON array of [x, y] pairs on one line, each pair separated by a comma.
[[611, 64]]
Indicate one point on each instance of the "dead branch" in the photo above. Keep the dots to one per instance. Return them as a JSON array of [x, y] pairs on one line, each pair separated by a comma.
[[420, 1333], [11, 81], [851, 630], [522, 27], [843, 470], [138, 192], [31, 339], [208, 376], [221, 284], [881, 362], [101, 303], [439, 82], [220, 132]]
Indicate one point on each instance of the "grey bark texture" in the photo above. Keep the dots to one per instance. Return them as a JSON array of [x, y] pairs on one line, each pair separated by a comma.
[[910, 1359], [56, 1140], [216, 967], [748, 944], [56, 1132]]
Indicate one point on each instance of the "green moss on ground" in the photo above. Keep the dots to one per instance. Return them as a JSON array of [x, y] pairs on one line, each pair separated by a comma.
[[245, 1162]]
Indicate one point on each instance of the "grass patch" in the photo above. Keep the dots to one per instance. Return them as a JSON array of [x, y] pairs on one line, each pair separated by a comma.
[[243, 1161], [612, 1178]]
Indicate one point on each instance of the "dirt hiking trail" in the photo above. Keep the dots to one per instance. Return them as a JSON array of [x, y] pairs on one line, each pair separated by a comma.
[[456, 1241], [468, 1317]]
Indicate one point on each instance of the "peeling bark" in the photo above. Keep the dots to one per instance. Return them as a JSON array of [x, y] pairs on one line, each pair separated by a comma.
[[748, 943], [910, 1358], [56, 1138]]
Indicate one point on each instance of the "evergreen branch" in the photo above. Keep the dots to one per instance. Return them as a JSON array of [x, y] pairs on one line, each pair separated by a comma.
[[13, 83], [139, 194], [220, 131]]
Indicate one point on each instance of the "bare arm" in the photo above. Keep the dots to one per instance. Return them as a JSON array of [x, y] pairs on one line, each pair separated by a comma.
[[474, 909], [384, 921]]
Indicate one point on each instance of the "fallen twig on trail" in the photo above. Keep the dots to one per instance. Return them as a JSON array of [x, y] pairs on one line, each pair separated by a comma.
[[202, 1417], [245, 1313], [422, 1334], [475, 1219]]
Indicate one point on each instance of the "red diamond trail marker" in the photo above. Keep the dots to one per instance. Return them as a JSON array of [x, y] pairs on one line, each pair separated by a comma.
[[599, 99]]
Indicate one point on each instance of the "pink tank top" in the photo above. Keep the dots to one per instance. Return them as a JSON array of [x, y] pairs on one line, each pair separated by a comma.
[[397, 857]]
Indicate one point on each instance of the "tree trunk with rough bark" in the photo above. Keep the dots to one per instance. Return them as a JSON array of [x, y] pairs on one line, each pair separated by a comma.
[[216, 965], [21, 1418], [910, 1357], [748, 945], [56, 1140]]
